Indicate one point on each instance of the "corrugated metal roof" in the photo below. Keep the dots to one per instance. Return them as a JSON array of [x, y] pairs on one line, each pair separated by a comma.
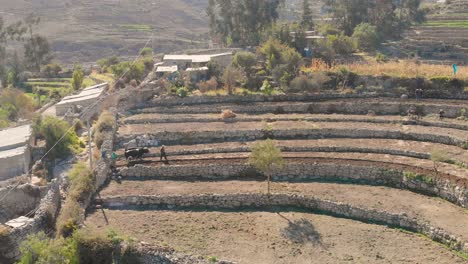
[[14, 137], [197, 69]]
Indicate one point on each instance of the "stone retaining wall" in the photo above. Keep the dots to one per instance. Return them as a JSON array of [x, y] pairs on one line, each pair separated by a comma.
[[244, 201], [44, 219], [197, 100], [201, 137], [19, 201], [356, 107], [452, 189], [363, 119]]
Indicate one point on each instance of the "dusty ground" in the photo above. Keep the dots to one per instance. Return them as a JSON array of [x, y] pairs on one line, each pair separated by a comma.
[[221, 126], [435, 210], [268, 237]]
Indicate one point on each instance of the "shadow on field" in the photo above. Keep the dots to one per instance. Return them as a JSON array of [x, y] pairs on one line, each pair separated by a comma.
[[301, 231]]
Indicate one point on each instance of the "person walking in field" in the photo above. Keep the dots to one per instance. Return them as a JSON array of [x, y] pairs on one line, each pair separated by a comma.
[[163, 153]]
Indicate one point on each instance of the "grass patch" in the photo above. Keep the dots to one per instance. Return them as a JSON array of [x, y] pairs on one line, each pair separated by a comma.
[[105, 77], [418, 177], [49, 84], [447, 23], [402, 68], [137, 27], [87, 82]]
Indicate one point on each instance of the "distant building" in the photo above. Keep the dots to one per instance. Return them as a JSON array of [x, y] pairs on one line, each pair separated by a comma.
[[85, 98], [15, 151], [184, 61]]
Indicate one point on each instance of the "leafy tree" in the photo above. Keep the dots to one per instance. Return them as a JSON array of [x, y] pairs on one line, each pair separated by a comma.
[[52, 70], [307, 17], [129, 71], [266, 158], [231, 76], [77, 77], [60, 140], [36, 52], [366, 37], [246, 61], [341, 44], [241, 22]]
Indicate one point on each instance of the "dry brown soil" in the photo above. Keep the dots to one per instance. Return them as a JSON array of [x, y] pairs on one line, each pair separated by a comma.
[[268, 237]]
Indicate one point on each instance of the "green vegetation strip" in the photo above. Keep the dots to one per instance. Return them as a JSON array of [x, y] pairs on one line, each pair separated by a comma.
[[451, 23]]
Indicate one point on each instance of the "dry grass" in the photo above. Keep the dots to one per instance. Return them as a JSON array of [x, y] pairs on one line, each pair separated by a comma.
[[403, 68]]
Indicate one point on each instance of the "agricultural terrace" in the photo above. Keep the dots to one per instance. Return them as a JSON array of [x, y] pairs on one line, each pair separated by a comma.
[[362, 181]]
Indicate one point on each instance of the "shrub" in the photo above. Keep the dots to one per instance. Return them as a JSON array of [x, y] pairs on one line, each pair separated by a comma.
[[38, 248], [266, 88], [51, 70], [302, 84], [366, 37], [60, 140], [182, 92], [107, 62], [341, 44], [106, 121], [77, 77], [129, 71], [210, 85], [78, 125], [69, 218], [380, 58], [418, 177]]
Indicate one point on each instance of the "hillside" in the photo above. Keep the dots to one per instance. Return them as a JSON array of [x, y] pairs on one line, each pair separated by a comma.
[[86, 30], [442, 39]]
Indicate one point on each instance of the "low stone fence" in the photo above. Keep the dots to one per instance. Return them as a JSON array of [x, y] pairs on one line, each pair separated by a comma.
[[20, 200], [356, 107], [253, 118], [258, 200], [44, 219], [452, 189], [255, 98], [202, 137], [339, 149]]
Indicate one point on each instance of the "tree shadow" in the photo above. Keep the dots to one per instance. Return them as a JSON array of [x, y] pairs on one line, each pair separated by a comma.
[[301, 231]]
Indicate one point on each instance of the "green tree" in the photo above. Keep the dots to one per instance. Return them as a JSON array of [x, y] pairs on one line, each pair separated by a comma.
[[52, 70], [245, 61], [60, 140], [266, 158], [105, 63], [77, 77], [307, 17], [36, 52], [366, 37], [230, 77]]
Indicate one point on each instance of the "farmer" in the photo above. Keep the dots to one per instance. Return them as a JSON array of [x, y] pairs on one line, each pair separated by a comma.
[[163, 153]]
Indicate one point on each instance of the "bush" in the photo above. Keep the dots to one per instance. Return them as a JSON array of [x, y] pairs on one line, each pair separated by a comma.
[[266, 88], [133, 71], [105, 122], [107, 62], [302, 84], [228, 114], [366, 37], [51, 70], [53, 129], [77, 77], [14, 104], [210, 85], [341, 44], [38, 248], [81, 186], [182, 92]]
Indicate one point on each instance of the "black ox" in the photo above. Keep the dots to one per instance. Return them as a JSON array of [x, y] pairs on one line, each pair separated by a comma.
[[136, 153]]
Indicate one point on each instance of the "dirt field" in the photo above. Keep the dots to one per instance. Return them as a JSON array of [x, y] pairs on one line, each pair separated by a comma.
[[437, 211], [268, 237], [221, 126]]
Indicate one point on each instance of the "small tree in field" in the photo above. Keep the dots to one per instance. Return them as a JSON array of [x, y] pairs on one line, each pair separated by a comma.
[[266, 157], [77, 78]]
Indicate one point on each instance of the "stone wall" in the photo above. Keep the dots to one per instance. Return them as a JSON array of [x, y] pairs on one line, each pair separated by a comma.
[[44, 219], [452, 189], [16, 163], [200, 137], [357, 107], [19, 201], [258, 200], [313, 104]]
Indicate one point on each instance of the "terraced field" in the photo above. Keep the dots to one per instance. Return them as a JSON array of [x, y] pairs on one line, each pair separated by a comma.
[[363, 183], [442, 39]]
